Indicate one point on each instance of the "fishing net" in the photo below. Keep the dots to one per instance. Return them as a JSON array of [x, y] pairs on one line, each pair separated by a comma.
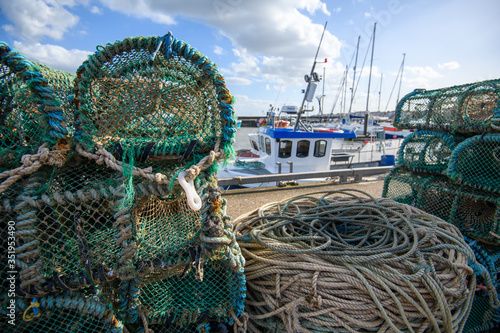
[[484, 316], [469, 108], [135, 205], [32, 120], [476, 162], [343, 261], [156, 101], [68, 312], [427, 151], [476, 213]]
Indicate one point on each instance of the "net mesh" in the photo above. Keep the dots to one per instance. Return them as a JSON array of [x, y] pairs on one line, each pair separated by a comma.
[[476, 213], [183, 299], [68, 312], [31, 112], [133, 99], [102, 222], [476, 162], [427, 151], [469, 108]]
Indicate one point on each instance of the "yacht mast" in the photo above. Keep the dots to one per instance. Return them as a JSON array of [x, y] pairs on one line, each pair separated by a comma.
[[354, 76], [369, 81], [401, 78]]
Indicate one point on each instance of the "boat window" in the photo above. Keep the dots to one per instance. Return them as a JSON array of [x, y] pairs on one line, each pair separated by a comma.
[[261, 142], [268, 146], [254, 145], [303, 148], [285, 149], [320, 148]]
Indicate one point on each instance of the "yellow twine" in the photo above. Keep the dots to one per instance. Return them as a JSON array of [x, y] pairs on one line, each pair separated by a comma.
[[30, 317]]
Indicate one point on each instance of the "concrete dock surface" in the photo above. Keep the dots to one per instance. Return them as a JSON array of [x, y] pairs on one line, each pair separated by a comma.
[[244, 200]]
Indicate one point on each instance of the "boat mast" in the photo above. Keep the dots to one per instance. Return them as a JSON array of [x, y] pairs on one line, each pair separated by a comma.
[[309, 83], [354, 76], [369, 81], [380, 91], [401, 78]]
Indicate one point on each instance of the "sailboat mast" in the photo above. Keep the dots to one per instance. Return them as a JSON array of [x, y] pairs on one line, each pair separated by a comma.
[[380, 91], [401, 78], [369, 81], [354, 76]]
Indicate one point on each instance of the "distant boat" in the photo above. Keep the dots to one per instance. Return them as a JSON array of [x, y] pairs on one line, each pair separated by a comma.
[[285, 143]]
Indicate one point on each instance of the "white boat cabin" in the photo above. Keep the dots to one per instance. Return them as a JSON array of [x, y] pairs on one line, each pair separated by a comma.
[[296, 151]]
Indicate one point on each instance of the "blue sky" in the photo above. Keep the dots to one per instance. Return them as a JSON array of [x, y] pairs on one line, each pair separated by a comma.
[[265, 47]]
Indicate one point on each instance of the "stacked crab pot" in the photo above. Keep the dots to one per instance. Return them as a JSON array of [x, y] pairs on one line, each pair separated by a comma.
[[128, 231], [450, 167]]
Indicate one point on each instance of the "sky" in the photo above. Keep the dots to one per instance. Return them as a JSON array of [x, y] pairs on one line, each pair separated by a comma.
[[263, 48]]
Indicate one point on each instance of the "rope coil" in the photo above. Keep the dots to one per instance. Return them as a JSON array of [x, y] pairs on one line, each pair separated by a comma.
[[336, 261]]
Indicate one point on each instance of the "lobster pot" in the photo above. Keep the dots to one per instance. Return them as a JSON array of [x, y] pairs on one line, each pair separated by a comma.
[[426, 151], [404, 186], [30, 106], [61, 313], [484, 316], [437, 197], [476, 162], [477, 214], [469, 108], [72, 231], [154, 102], [189, 294]]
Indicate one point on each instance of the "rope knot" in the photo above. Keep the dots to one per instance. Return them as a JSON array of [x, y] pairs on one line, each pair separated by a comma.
[[160, 178], [44, 155], [193, 172]]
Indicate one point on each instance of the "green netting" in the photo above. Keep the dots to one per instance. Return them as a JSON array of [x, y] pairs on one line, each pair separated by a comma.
[[476, 213], [150, 98], [31, 112], [401, 186], [180, 297], [427, 151], [114, 216], [62, 313], [476, 162], [482, 317], [469, 108]]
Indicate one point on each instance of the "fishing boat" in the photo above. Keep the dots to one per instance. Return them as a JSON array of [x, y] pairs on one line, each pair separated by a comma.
[[293, 145]]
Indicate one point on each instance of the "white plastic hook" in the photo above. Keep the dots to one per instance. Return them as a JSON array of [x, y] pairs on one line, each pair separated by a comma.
[[193, 199]]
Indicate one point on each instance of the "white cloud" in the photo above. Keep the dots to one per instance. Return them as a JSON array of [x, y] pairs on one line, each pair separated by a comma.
[[219, 50], [420, 76], [34, 20], [54, 56], [424, 72], [449, 65], [156, 12], [238, 81], [96, 10], [250, 106], [259, 30]]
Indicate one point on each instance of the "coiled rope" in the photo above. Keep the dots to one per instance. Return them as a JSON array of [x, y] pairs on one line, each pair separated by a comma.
[[344, 261]]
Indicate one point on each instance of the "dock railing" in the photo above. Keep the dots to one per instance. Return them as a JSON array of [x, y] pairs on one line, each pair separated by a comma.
[[343, 174]]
